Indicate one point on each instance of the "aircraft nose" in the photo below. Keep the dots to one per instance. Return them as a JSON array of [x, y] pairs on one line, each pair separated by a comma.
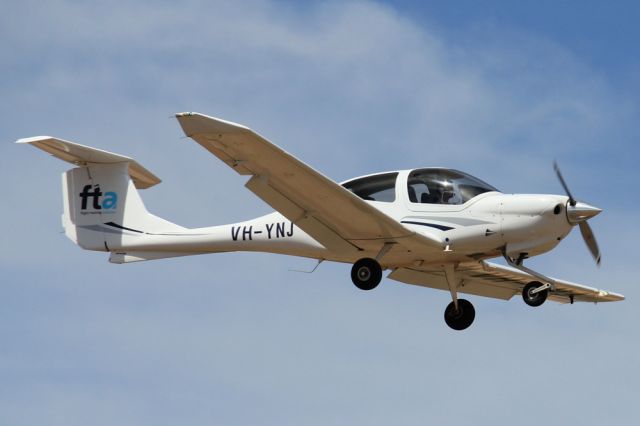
[[581, 212]]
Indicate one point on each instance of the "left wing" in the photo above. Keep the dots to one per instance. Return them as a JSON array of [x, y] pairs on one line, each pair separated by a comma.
[[334, 216], [499, 282]]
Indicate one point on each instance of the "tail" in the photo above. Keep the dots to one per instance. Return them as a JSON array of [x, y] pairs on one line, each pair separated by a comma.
[[102, 208]]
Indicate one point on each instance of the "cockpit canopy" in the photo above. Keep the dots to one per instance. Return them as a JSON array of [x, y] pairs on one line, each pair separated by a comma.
[[444, 186], [427, 186]]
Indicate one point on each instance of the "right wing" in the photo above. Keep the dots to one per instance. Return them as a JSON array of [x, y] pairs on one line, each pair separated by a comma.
[[335, 217], [499, 282]]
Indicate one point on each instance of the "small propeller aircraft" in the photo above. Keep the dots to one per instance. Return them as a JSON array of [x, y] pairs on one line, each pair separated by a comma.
[[431, 227]]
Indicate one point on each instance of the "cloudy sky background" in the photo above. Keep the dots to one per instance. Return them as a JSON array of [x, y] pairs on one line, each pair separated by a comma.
[[499, 90]]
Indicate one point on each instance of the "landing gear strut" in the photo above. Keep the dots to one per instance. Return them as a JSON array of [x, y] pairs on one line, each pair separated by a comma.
[[460, 318], [366, 273], [534, 293], [460, 312]]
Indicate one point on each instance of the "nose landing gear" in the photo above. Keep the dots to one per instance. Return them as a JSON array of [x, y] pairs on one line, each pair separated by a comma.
[[535, 293]]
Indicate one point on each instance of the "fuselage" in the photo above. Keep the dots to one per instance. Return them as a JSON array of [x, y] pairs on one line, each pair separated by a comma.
[[470, 226]]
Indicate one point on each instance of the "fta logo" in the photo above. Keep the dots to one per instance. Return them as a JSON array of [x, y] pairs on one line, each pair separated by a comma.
[[108, 202]]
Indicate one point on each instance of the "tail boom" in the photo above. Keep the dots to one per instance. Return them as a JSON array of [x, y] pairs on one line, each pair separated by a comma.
[[103, 211]]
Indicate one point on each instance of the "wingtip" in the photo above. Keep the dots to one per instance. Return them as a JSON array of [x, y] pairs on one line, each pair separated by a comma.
[[195, 122], [608, 296], [33, 139]]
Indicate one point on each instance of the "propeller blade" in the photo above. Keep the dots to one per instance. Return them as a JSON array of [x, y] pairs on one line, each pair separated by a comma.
[[590, 240], [580, 215], [572, 201]]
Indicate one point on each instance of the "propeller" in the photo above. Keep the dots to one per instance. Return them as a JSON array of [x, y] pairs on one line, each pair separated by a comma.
[[577, 214], [572, 201]]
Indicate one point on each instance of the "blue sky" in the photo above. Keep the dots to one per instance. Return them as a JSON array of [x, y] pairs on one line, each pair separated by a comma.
[[600, 33], [499, 90]]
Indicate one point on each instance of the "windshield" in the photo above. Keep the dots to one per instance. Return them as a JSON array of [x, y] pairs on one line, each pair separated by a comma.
[[444, 186]]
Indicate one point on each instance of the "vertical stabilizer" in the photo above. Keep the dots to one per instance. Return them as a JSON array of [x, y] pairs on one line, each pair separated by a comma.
[[102, 207]]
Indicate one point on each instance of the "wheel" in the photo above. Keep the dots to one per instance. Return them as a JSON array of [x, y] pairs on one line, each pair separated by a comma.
[[462, 318], [534, 299], [366, 274]]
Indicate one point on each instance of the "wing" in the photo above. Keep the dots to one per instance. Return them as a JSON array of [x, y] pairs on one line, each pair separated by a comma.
[[329, 213], [500, 282]]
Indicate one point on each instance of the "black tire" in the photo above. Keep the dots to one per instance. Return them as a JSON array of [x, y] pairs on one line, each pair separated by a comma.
[[535, 299], [366, 274], [462, 318]]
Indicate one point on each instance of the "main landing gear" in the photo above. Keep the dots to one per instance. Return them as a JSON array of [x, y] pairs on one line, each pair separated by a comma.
[[460, 313], [459, 318], [366, 273]]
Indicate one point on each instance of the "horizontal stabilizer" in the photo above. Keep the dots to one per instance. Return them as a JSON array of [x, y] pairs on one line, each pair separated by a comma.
[[81, 155]]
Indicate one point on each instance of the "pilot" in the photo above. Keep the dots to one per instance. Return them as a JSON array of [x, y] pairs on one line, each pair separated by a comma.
[[448, 197], [440, 194], [434, 196]]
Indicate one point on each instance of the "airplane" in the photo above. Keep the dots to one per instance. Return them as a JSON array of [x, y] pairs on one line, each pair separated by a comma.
[[430, 227]]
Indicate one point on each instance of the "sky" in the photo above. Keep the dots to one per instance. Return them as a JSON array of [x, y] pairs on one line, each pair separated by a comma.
[[498, 89]]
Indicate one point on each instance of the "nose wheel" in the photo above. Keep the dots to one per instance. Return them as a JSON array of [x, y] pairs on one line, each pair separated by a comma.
[[535, 293], [366, 274], [461, 318]]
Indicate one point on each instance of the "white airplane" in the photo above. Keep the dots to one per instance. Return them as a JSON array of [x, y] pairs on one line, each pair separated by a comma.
[[431, 227]]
